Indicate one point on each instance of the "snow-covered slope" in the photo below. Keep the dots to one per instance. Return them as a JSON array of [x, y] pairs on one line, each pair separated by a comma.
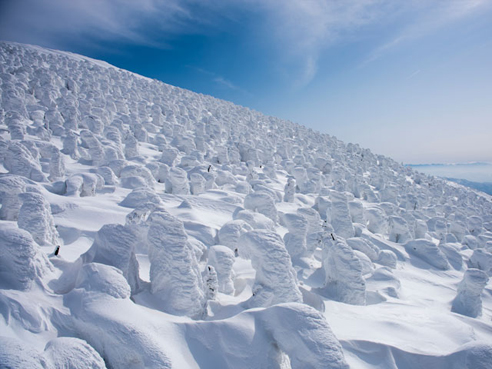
[[146, 226]]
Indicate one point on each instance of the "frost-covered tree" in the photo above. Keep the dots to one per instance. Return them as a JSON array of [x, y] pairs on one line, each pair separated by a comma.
[[174, 274], [262, 203], [468, 301], [343, 273], [340, 215], [22, 261], [211, 283], [222, 259], [35, 217], [114, 245], [295, 239], [276, 280], [10, 189]]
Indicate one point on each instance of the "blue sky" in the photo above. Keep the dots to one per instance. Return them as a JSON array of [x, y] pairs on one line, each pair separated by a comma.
[[411, 79]]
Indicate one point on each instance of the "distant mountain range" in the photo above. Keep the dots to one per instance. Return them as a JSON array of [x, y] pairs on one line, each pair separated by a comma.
[[481, 186], [474, 174]]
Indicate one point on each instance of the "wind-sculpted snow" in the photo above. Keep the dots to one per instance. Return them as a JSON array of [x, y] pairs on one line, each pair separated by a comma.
[[63, 352], [102, 278], [167, 229], [429, 252]]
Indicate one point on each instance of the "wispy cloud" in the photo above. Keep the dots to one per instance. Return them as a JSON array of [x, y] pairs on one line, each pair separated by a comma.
[[226, 83], [422, 18], [297, 31], [413, 74], [58, 22], [221, 81]]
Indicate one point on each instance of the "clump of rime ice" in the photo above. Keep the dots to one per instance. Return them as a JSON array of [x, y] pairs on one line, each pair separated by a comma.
[[222, 259], [231, 231], [17, 159], [364, 246], [114, 245], [261, 203], [276, 280], [35, 217], [10, 189], [22, 261], [210, 283], [468, 301], [343, 273], [295, 239], [174, 275], [140, 196], [399, 231], [177, 182], [482, 259], [340, 215]]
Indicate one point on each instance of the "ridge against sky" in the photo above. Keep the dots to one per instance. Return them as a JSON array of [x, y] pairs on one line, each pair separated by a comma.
[[411, 80]]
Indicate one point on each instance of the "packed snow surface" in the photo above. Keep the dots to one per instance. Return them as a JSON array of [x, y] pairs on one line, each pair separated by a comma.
[[146, 226]]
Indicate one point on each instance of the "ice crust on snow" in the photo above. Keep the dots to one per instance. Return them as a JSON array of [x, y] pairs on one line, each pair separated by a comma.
[[195, 233]]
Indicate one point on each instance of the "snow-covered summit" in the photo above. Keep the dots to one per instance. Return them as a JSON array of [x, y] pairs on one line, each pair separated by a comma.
[[164, 228]]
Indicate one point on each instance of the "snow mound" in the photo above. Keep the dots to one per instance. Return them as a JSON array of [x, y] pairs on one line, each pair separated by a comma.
[[140, 196], [15, 354], [105, 279], [69, 352], [473, 355], [428, 252]]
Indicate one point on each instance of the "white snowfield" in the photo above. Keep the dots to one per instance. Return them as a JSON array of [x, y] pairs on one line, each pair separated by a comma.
[[146, 226]]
